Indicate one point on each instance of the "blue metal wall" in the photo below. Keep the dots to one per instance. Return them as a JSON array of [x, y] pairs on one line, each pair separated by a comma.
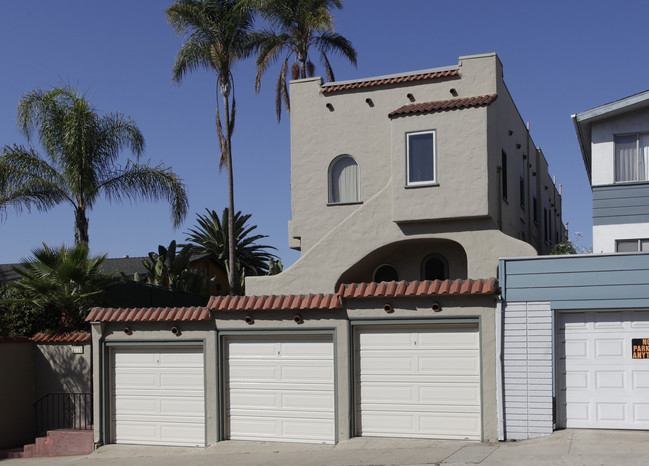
[[609, 281]]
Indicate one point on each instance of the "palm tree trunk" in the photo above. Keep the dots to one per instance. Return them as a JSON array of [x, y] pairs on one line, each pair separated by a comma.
[[80, 226], [301, 57], [228, 161]]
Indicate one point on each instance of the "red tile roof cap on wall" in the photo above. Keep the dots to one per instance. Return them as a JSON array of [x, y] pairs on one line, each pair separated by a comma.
[[419, 288], [274, 302], [76, 337], [153, 314], [439, 105], [436, 73]]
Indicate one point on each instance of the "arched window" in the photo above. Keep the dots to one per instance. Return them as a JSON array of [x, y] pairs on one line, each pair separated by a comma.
[[344, 183], [385, 273], [434, 267]]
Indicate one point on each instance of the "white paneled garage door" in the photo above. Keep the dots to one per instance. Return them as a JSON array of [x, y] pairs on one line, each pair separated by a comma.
[[280, 389], [600, 384], [418, 382], [158, 396]]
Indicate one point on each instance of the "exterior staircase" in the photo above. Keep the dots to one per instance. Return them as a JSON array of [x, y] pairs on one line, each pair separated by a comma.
[[62, 442]]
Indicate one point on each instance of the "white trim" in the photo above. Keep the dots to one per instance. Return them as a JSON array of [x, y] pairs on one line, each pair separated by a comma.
[[424, 182]]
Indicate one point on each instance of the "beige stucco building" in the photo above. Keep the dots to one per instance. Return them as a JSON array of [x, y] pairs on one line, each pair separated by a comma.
[[405, 191], [396, 170]]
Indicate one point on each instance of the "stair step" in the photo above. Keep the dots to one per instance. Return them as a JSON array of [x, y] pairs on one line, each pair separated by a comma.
[[57, 443]]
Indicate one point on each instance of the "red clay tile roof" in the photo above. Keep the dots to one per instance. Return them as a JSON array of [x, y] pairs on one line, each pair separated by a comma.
[[416, 288], [274, 303], [79, 337], [464, 102], [159, 314], [381, 81]]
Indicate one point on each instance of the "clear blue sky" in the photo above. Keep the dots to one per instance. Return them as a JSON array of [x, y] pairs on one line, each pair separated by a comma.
[[559, 58]]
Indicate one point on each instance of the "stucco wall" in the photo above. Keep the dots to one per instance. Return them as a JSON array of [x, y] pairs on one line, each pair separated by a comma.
[[509, 133], [17, 393], [59, 370], [319, 270], [603, 142]]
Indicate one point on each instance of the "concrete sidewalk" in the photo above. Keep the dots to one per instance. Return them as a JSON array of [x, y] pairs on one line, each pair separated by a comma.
[[566, 447]]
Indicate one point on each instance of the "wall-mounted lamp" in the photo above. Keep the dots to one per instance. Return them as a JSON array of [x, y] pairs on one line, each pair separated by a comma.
[[453, 92], [411, 97], [388, 308], [518, 146], [510, 132], [297, 318], [128, 331], [176, 331], [436, 307], [369, 102], [330, 107], [249, 320]]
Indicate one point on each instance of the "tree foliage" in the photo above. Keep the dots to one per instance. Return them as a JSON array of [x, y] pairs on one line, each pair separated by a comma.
[[171, 270], [210, 237], [57, 287], [217, 34], [297, 27], [82, 148]]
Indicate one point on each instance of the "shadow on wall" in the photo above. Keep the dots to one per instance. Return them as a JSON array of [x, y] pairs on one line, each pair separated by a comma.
[[58, 369], [410, 260]]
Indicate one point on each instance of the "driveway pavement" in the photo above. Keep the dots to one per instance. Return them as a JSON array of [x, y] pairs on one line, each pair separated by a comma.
[[565, 447]]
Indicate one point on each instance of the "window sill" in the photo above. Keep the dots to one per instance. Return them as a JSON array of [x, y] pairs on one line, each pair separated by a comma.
[[422, 185], [344, 203]]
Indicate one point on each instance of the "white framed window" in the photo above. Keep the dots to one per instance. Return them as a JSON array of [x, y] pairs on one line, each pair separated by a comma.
[[631, 157], [420, 154], [632, 245], [344, 184]]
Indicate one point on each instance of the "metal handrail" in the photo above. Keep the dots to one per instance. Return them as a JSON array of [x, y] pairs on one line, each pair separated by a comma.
[[63, 411]]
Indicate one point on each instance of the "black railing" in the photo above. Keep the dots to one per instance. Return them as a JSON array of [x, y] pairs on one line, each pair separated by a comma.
[[63, 411]]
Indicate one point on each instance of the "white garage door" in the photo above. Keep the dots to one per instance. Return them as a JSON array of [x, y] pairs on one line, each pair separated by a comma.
[[158, 396], [418, 382], [280, 389], [600, 384]]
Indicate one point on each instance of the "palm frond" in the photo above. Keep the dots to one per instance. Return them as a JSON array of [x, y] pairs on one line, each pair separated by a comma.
[[281, 91], [143, 182]]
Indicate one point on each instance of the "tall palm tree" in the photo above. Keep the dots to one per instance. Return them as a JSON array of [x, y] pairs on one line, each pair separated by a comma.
[[210, 237], [298, 25], [217, 35], [82, 148], [62, 280]]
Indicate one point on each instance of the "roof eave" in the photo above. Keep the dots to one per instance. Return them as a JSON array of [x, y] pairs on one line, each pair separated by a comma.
[[585, 148]]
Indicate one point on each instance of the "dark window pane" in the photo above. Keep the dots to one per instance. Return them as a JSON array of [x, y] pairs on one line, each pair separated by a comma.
[[421, 158], [386, 273]]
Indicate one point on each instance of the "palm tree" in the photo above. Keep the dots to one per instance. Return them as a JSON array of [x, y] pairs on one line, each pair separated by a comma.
[[82, 148], [210, 237], [217, 34], [62, 280], [299, 25]]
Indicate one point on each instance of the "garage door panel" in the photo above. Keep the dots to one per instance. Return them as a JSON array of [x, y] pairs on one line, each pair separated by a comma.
[[602, 386], [610, 380], [280, 389], [422, 382], [158, 396], [640, 380], [610, 411], [609, 348]]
